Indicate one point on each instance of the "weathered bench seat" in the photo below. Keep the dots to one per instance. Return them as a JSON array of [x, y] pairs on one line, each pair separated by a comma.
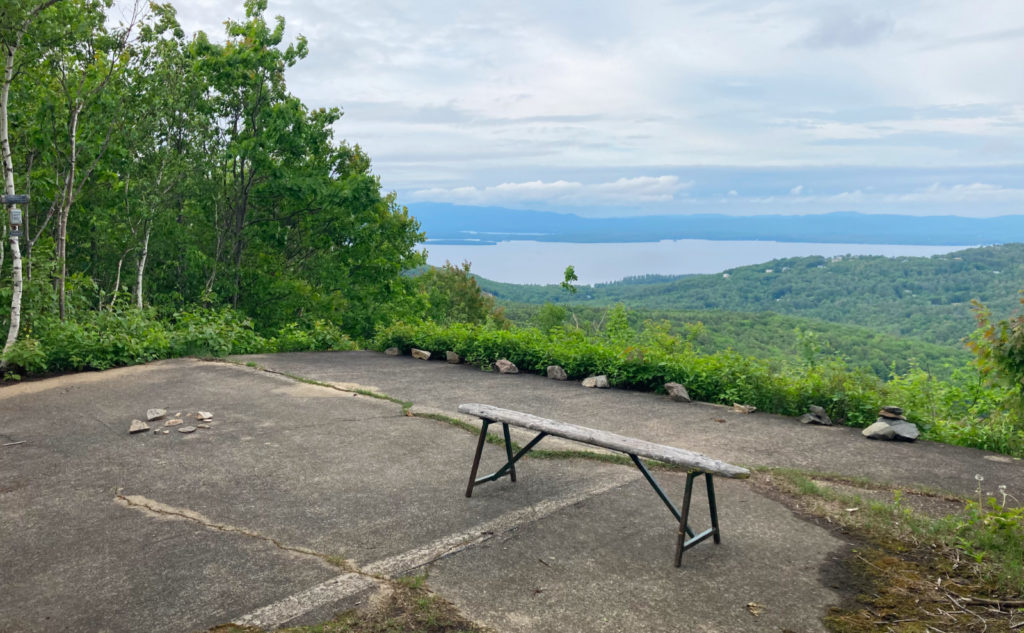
[[696, 463]]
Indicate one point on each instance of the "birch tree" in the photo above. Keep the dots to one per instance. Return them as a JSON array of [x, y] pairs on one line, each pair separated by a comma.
[[16, 20]]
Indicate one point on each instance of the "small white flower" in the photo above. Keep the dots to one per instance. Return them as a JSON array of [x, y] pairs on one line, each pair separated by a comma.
[[979, 478]]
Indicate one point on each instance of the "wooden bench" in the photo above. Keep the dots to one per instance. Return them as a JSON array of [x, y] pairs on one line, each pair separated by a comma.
[[696, 463]]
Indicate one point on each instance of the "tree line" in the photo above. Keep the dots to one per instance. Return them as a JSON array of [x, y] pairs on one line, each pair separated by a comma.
[[167, 170]]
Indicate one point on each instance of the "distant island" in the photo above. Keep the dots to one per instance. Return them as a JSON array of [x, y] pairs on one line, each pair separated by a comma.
[[454, 224]]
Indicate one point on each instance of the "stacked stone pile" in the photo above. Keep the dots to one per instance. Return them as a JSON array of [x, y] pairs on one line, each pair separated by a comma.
[[892, 425]]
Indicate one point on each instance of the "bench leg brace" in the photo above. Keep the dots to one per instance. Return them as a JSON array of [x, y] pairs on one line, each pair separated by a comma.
[[681, 543], [510, 465]]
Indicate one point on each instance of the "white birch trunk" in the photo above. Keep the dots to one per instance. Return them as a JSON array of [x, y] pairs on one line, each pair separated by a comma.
[[8, 167], [142, 266], [65, 210]]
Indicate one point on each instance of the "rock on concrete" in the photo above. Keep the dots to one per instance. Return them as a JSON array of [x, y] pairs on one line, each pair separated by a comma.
[[816, 415], [138, 426], [885, 429], [880, 430], [555, 372], [821, 414], [187, 429], [452, 357], [905, 431], [420, 354], [392, 351], [596, 382], [505, 366], [677, 392], [155, 414]]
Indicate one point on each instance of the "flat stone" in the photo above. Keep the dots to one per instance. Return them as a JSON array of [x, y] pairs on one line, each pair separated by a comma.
[[821, 414], [174, 422], [505, 366], [138, 426], [596, 382], [809, 418], [392, 351], [890, 415], [743, 408], [677, 392], [420, 354], [204, 425], [555, 372], [187, 429], [905, 431], [452, 357], [203, 415], [893, 409], [880, 430], [155, 414]]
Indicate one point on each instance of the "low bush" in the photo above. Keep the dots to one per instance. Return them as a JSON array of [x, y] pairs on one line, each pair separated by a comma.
[[101, 339], [958, 412]]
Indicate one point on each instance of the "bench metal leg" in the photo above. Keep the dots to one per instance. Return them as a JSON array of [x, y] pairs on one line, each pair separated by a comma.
[[681, 543], [510, 465], [476, 458], [508, 451], [661, 493]]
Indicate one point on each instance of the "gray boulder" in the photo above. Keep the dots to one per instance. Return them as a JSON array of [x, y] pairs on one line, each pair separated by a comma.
[[556, 373], [677, 392], [816, 415], [392, 351], [505, 366], [905, 431], [596, 382], [820, 414], [452, 358], [420, 354]]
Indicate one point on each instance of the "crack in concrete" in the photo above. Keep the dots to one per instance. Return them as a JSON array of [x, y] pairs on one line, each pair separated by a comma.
[[386, 570], [162, 510]]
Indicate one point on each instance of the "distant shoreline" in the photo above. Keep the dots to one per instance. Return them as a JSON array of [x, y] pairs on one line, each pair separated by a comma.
[[542, 262]]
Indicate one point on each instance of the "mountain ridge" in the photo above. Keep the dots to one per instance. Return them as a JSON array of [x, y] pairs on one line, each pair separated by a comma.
[[449, 223]]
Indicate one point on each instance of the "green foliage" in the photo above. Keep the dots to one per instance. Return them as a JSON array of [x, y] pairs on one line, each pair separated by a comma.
[[999, 348], [925, 297], [991, 531], [959, 411], [569, 276], [126, 336], [771, 337], [550, 316], [452, 296], [205, 189]]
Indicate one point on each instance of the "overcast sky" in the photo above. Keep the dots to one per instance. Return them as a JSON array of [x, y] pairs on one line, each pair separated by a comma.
[[647, 106]]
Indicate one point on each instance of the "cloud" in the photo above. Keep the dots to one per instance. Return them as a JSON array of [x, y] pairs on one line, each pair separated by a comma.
[[843, 30], [973, 192], [795, 191], [639, 190]]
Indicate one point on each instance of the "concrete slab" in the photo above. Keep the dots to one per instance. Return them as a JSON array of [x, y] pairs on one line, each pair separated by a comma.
[[561, 574], [246, 512], [745, 439], [298, 494]]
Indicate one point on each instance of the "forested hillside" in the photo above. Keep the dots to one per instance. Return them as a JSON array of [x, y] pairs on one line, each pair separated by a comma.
[[923, 297], [772, 336]]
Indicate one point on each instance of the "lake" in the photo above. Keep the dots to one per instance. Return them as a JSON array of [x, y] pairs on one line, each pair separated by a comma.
[[531, 262]]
